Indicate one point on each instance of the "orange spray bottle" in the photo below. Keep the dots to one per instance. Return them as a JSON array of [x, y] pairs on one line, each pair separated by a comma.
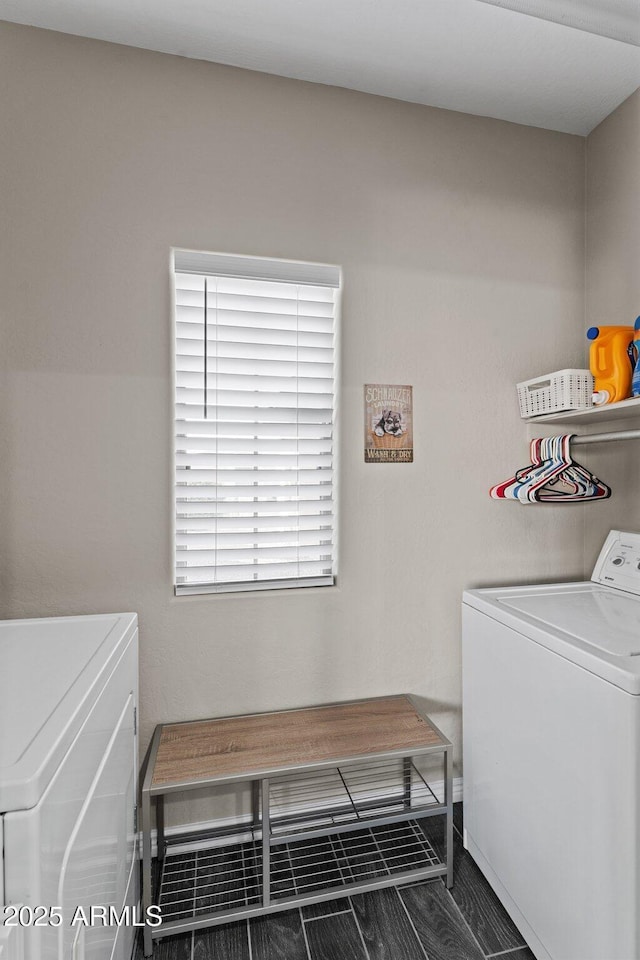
[[609, 363]]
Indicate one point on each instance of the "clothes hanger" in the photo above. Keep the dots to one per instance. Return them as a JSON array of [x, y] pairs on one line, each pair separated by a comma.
[[552, 476], [546, 456], [541, 469], [581, 483], [578, 483]]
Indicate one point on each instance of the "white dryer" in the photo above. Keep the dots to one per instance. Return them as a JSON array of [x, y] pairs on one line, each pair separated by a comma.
[[68, 772], [551, 737]]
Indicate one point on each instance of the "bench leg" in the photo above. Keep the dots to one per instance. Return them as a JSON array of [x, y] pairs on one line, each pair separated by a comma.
[[448, 799], [160, 827], [146, 870], [266, 849]]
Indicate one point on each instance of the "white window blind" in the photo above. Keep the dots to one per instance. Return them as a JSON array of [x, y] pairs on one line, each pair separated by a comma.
[[254, 416]]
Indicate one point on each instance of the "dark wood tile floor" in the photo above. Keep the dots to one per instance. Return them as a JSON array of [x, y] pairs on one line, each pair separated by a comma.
[[421, 921]]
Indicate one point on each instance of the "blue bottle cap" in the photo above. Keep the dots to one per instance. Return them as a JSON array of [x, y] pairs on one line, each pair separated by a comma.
[[636, 325], [593, 332]]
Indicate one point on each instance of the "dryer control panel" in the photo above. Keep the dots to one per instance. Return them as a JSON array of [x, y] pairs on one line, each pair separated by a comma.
[[619, 562]]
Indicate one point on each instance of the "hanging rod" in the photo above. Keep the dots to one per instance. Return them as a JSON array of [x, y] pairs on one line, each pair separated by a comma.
[[605, 437]]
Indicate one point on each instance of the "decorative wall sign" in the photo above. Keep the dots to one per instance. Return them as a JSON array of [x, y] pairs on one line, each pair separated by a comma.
[[388, 423]]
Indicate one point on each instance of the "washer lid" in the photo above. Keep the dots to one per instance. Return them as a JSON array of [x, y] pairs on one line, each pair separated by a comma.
[[51, 672], [605, 619], [596, 627]]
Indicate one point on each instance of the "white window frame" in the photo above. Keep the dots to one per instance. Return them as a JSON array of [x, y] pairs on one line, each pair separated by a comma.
[[258, 268]]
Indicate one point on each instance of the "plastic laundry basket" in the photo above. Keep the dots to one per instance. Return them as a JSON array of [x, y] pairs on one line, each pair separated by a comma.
[[554, 392]]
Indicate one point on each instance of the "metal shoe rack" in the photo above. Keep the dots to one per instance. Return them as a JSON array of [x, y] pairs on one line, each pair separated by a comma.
[[338, 824]]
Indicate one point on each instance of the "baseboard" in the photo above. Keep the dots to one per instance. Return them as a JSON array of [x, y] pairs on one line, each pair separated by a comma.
[[243, 822]]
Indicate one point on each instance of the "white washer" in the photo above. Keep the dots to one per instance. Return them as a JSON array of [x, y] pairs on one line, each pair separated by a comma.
[[551, 714], [68, 771]]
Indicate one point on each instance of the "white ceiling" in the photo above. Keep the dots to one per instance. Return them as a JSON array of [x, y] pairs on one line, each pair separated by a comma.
[[465, 55]]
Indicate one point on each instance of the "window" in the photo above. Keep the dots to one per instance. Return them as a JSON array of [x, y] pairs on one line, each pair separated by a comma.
[[255, 415]]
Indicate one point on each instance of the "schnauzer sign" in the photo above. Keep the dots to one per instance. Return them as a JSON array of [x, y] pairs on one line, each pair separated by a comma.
[[388, 423]]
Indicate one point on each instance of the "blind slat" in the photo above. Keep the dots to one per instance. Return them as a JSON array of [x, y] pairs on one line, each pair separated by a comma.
[[202, 434], [252, 491], [275, 308], [246, 328], [282, 523], [257, 414], [254, 352], [254, 383], [187, 366], [261, 398], [194, 543], [246, 508], [256, 465], [274, 446], [260, 553], [246, 474], [282, 583], [236, 436], [258, 571]]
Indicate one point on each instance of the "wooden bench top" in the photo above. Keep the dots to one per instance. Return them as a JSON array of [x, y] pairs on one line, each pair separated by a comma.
[[210, 750]]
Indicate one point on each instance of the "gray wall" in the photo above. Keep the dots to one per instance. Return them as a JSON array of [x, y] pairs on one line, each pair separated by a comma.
[[613, 294], [462, 245]]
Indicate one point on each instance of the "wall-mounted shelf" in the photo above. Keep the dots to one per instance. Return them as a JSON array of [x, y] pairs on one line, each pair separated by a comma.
[[623, 410]]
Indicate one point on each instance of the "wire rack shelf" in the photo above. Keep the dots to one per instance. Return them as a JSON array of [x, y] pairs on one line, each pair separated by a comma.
[[228, 880]]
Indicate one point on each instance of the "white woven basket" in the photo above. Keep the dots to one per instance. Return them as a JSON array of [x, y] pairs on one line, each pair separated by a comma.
[[553, 392]]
